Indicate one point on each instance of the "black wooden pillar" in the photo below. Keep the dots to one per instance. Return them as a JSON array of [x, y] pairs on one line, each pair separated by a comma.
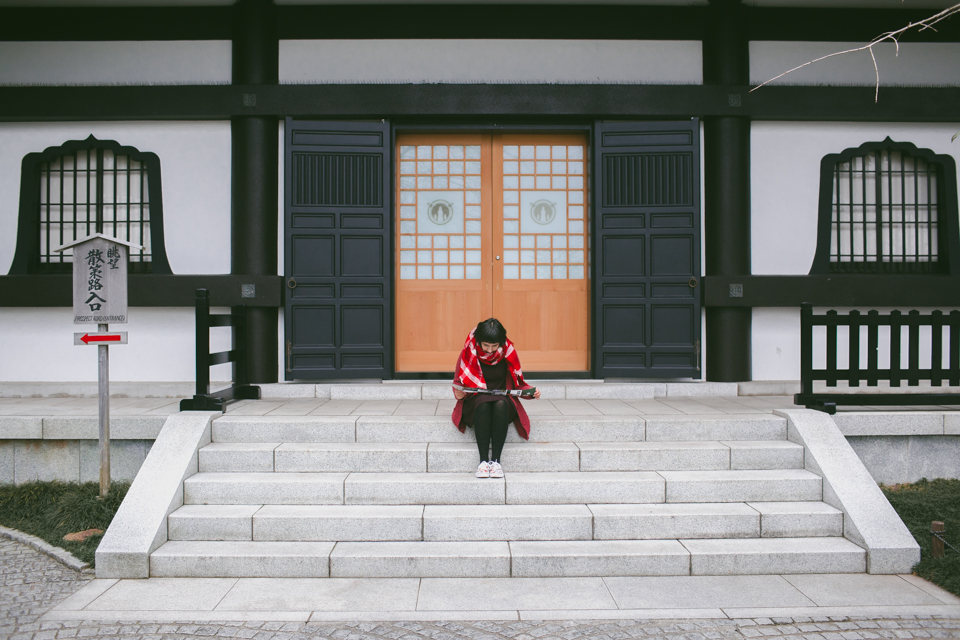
[[726, 61], [254, 176]]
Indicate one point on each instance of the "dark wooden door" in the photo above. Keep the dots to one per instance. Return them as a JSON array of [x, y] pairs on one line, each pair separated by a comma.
[[647, 250], [337, 316]]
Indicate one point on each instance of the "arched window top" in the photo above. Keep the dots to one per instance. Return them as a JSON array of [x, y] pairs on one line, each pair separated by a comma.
[[887, 207], [84, 187]]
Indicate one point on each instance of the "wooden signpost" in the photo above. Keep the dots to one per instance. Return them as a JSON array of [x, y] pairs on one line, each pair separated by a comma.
[[100, 297]]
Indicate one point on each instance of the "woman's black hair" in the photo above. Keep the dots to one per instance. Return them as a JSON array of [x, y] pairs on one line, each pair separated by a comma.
[[490, 330]]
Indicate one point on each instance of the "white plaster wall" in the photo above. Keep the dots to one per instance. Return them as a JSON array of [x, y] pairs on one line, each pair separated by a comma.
[[36, 345], [195, 168], [121, 62], [776, 343], [490, 61], [917, 64], [785, 180]]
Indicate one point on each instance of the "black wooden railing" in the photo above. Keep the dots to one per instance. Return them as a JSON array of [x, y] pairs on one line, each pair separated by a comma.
[[872, 374], [204, 400]]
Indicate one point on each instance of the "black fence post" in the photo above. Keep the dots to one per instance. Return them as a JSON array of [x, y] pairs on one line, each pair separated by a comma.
[[856, 371], [203, 341], [895, 324], [936, 348], [913, 361], [853, 347], [240, 344], [955, 348], [806, 348]]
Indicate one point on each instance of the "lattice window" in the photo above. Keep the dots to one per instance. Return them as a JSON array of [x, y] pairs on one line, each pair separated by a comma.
[[440, 212], [885, 203], [87, 187], [544, 212]]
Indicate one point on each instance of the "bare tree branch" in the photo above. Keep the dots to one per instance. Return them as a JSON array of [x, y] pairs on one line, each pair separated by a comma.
[[892, 36]]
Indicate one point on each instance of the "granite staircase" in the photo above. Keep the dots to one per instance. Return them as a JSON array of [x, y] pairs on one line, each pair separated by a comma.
[[610, 495]]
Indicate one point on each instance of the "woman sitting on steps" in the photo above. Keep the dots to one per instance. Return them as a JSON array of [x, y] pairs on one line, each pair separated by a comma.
[[489, 361]]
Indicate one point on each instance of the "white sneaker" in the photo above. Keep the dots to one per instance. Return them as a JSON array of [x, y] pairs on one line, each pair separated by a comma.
[[496, 471], [483, 471]]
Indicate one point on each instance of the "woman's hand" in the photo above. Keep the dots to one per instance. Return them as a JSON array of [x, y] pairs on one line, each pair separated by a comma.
[[459, 395], [536, 394]]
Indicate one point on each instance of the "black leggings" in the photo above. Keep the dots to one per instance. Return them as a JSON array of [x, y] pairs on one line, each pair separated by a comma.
[[490, 421]]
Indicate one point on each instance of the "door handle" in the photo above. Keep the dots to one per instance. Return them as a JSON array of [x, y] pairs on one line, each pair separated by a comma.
[[291, 284], [693, 283]]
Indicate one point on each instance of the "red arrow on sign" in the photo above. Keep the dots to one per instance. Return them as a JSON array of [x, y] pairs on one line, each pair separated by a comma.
[[100, 337]]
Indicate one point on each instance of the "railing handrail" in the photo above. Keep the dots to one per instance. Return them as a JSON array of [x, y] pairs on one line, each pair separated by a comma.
[[239, 388], [854, 373]]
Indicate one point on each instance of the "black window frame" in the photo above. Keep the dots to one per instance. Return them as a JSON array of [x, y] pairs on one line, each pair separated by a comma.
[[948, 235], [27, 258]]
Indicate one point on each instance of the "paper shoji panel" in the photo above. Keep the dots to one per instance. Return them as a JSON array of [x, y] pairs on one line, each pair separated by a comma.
[[544, 212], [445, 180]]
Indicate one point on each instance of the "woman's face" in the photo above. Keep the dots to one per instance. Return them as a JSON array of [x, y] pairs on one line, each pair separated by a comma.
[[489, 347]]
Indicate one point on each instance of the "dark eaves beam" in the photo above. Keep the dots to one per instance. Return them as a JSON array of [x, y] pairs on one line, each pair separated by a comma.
[[219, 102], [428, 21]]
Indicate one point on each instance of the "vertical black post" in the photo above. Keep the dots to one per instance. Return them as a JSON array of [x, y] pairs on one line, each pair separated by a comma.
[[254, 177], [853, 348], [240, 374], [895, 374], [873, 347], [203, 342], [913, 351], [806, 348], [954, 348], [832, 328], [936, 348], [726, 61]]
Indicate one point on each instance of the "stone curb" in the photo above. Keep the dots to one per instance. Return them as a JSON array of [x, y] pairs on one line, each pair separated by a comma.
[[60, 555]]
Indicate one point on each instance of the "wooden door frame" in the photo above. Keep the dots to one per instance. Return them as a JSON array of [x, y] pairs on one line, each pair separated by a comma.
[[407, 128]]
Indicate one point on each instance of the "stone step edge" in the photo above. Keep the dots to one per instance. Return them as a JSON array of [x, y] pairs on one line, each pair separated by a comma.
[[551, 390], [239, 457], [747, 519], [200, 559]]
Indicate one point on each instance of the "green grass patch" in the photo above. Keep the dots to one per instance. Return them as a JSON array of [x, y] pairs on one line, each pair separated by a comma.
[[921, 503], [51, 510]]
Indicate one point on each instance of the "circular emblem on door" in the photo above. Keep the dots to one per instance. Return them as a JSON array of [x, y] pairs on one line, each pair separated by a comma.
[[440, 211], [543, 211]]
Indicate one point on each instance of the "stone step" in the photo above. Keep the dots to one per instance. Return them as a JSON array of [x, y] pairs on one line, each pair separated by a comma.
[[265, 429], [463, 457], [507, 522], [552, 390], [775, 556], [581, 487], [178, 559], [264, 488], [713, 427], [545, 429], [715, 520], [352, 456], [237, 456], [542, 558], [503, 522], [452, 457], [778, 485], [432, 429], [689, 456], [338, 522]]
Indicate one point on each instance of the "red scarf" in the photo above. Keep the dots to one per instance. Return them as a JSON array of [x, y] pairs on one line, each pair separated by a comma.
[[469, 374]]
